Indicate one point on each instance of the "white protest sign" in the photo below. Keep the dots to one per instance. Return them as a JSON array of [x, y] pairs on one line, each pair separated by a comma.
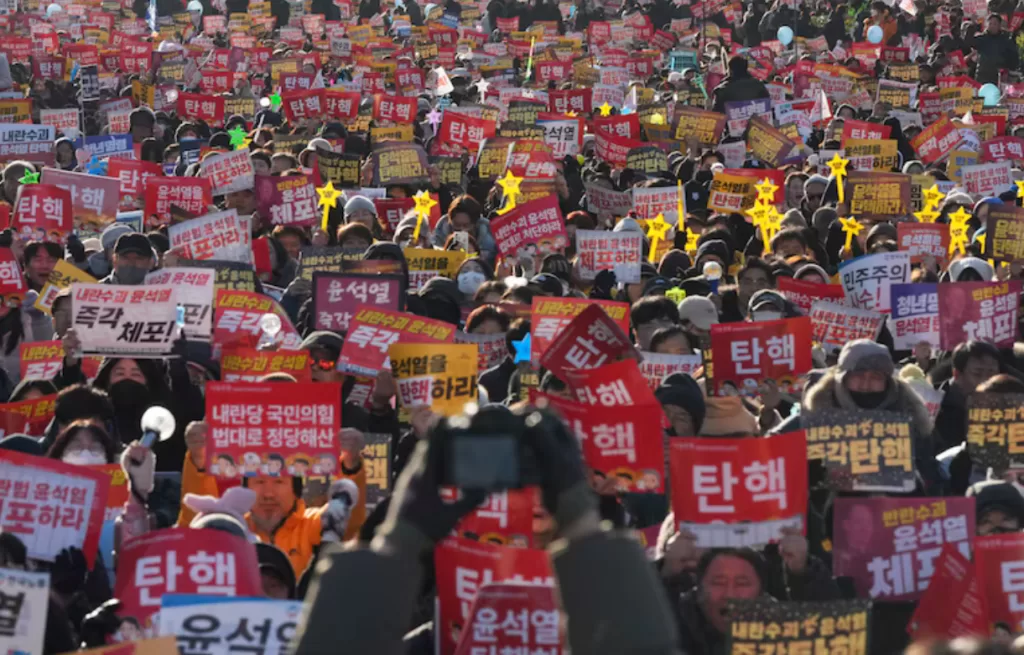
[[658, 366], [194, 294], [619, 252], [124, 321], [833, 325], [223, 236], [24, 601], [607, 203], [651, 201], [987, 179], [229, 172], [867, 280], [230, 625]]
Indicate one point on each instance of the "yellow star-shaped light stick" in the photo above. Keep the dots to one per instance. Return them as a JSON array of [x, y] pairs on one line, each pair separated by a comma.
[[605, 109], [852, 227], [1020, 188], [838, 167], [328, 200], [656, 231], [932, 197], [424, 203], [926, 215], [766, 191], [510, 191], [958, 218]]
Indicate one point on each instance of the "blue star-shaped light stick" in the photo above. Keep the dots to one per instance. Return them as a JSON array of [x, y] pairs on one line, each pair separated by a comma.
[[522, 349]]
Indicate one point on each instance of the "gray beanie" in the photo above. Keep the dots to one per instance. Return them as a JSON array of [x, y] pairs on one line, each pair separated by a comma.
[[356, 203], [865, 355], [112, 233]]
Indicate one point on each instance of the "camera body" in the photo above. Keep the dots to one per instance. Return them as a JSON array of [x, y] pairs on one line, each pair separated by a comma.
[[486, 450]]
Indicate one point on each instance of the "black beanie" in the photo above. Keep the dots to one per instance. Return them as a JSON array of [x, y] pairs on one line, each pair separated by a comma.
[[996, 494], [681, 390]]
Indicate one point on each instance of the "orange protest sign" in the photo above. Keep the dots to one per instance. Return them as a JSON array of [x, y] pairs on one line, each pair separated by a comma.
[[440, 376]]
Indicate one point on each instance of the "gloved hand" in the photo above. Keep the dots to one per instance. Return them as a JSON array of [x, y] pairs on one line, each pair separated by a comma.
[[67, 575], [75, 248], [604, 283], [99, 624], [344, 495], [563, 482], [139, 463]]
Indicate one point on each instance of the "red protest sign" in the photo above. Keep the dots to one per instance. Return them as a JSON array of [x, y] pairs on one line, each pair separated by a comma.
[[863, 130], [465, 131], [936, 140], [739, 492], [921, 239], [43, 212], [341, 105], [118, 490], [803, 293], [241, 364], [50, 505], [570, 100], [391, 210], [289, 200], [981, 311], [94, 198], [183, 561], [1002, 148], [191, 194], [551, 316], [510, 618], [612, 385], [27, 416], [999, 566], [624, 446], [397, 109], [535, 228], [237, 320], [463, 566], [505, 518], [747, 354], [627, 126], [372, 331], [201, 106], [12, 282], [272, 429], [589, 341], [935, 616], [132, 174], [889, 545], [304, 104], [42, 360], [337, 295]]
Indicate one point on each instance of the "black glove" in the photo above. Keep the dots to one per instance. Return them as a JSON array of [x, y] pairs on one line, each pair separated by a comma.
[[604, 282], [75, 248], [416, 500], [67, 575], [557, 455], [99, 624]]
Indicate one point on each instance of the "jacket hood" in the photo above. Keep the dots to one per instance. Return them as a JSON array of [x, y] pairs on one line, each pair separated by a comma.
[[829, 394]]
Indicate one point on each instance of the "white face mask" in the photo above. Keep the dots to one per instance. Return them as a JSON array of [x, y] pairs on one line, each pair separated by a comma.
[[757, 317], [84, 458], [470, 281]]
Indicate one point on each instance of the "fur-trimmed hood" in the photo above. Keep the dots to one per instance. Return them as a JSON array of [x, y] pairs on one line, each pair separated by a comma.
[[829, 394]]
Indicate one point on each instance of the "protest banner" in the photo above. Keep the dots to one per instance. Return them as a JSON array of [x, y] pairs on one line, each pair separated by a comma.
[[42, 360], [833, 325], [270, 429], [231, 276], [131, 176], [122, 320], [229, 624], [441, 376], [535, 228], [12, 282], [426, 263], [704, 126], [748, 354], [463, 566], [995, 430], [989, 179], [94, 199], [999, 565], [189, 194], [867, 280], [730, 193], [889, 546], [26, 600], [229, 172], [980, 311], [29, 417], [185, 561], [241, 364], [236, 320], [924, 240], [32, 143], [935, 617], [157, 646], [338, 168], [590, 340], [936, 140], [377, 462], [222, 235], [870, 193], [399, 163], [648, 202], [287, 200], [551, 316], [613, 385], [504, 519], [767, 143], [862, 450], [466, 131], [803, 294], [872, 154], [491, 349], [738, 114], [324, 258], [863, 130], [507, 617], [61, 277], [769, 626], [43, 212], [1004, 233], [118, 493], [50, 505], [655, 367], [915, 315], [64, 121], [623, 446], [336, 296], [194, 294], [373, 330], [732, 492], [607, 203]]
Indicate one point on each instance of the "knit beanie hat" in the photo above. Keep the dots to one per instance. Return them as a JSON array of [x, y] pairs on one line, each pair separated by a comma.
[[356, 203], [681, 390], [865, 355]]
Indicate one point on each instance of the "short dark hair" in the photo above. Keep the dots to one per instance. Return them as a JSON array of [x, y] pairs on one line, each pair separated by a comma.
[[789, 234], [737, 65], [141, 116], [80, 401], [466, 204], [749, 555], [516, 332], [487, 313], [53, 249], [661, 335], [354, 231], [756, 263], [491, 286], [60, 444], [652, 308], [968, 350], [522, 294], [290, 231]]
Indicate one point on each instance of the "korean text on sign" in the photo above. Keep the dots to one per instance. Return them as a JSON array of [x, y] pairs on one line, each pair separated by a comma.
[[438, 375], [120, 320], [374, 330], [864, 450]]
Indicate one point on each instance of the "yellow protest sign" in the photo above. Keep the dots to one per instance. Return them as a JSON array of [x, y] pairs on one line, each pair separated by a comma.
[[441, 376], [61, 277]]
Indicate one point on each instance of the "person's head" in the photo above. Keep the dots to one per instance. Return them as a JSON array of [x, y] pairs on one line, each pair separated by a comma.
[[127, 369], [994, 24], [133, 258], [84, 443], [487, 319], [275, 464], [727, 574], [260, 162], [360, 209], [865, 371], [141, 122], [355, 235], [650, 314], [859, 527], [61, 312], [683, 403], [292, 238], [40, 258], [490, 293], [324, 349], [768, 305], [922, 351], [671, 340], [697, 314], [795, 189], [282, 161], [814, 192], [244, 201], [464, 214], [879, 10], [275, 497], [13, 172], [276, 572], [999, 507], [974, 362], [472, 273], [789, 242], [755, 275], [64, 152], [81, 402], [737, 66]]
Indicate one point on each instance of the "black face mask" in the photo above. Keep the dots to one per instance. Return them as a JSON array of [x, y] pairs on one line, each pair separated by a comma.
[[704, 177], [129, 396], [868, 399]]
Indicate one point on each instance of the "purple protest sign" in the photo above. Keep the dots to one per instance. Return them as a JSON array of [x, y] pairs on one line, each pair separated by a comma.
[[287, 200], [889, 545], [915, 315], [337, 295], [982, 311], [738, 113]]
